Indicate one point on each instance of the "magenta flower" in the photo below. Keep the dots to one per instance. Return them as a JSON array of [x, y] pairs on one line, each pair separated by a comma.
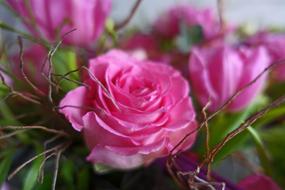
[[50, 19], [219, 71], [168, 24], [275, 43], [132, 111], [260, 182]]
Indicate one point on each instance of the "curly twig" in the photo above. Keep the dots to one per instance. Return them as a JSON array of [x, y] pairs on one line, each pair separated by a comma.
[[129, 17], [26, 78], [241, 128], [228, 102]]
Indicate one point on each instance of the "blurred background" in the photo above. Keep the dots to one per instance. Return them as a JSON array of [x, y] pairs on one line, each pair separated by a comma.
[[259, 13], [256, 13]]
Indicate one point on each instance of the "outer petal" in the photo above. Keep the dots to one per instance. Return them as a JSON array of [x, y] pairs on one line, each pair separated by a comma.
[[102, 155], [88, 19], [199, 77], [102, 130], [75, 99], [255, 61]]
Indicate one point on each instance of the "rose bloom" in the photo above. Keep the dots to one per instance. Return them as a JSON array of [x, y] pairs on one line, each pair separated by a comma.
[[168, 24], [258, 181], [50, 19], [132, 111], [217, 72], [275, 43]]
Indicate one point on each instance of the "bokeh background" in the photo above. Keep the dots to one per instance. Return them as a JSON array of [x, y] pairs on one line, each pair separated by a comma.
[[258, 13]]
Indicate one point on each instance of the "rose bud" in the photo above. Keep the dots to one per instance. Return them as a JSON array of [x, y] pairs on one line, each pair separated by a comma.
[[168, 24], [275, 44], [51, 19], [217, 72], [258, 181], [132, 111]]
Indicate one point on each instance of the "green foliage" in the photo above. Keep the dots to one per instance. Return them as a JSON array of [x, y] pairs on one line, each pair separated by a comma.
[[274, 140], [32, 175], [83, 179], [261, 150], [189, 36], [67, 173], [5, 164], [65, 61], [224, 123]]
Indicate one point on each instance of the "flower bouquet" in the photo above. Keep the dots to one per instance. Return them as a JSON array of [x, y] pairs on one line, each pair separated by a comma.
[[188, 102]]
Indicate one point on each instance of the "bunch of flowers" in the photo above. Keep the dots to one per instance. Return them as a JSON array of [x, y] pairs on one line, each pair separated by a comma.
[[88, 103]]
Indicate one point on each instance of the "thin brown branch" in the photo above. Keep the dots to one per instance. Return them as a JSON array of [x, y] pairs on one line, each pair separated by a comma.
[[58, 132], [58, 155], [26, 78], [94, 78], [241, 128], [221, 11], [10, 134], [77, 107], [125, 22], [41, 168], [228, 102], [13, 92], [50, 68], [207, 137], [32, 159]]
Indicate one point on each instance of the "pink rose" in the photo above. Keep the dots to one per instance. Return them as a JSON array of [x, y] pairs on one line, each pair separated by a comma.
[[168, 24], [51, 19], [258, 182], [275, 43], [35, 60], [132, 111], [219, 71]]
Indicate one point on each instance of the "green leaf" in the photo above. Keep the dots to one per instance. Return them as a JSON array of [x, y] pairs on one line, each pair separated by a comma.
[[233, 145], [110, 29], [47, 183], [31, 177], [227, 122], [5, 165], [65, 61], [101, 168], [83, 179], [275, 141], [271, 116], [7, 115], [67, 173], [261, 150]]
